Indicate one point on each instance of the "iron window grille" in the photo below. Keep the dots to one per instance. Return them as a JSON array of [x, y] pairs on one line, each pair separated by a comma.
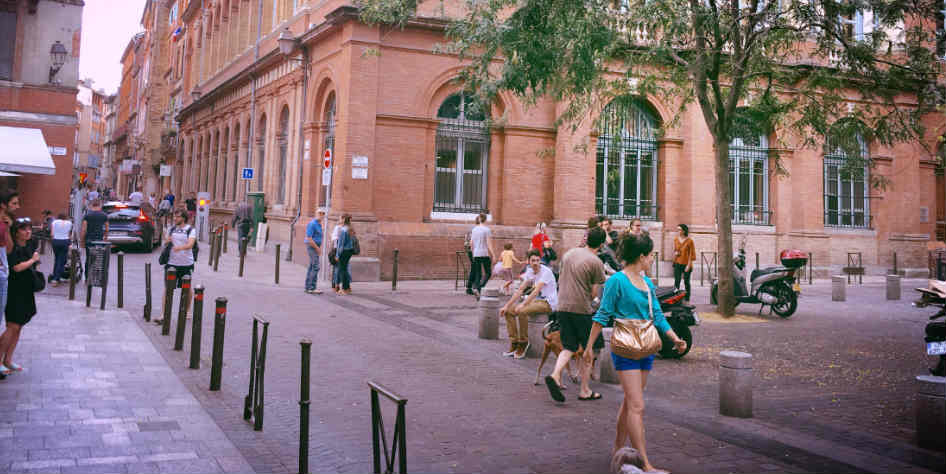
[[462, 156], [749, 175], [846, 198], [328, 143], [626, 162]]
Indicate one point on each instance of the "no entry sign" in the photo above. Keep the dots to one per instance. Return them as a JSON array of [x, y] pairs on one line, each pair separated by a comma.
[[327, 159]]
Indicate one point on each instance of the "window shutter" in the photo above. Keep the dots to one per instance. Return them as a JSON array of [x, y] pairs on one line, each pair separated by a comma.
[[7, 43]]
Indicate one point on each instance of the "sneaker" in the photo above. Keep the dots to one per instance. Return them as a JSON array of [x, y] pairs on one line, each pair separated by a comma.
[[521, 353], [316, 292], [14, 367], [469, 291], [309, 292], [512, 349]]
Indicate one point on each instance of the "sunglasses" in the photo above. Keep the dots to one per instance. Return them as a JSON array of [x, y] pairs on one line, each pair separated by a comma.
[[24, 220]]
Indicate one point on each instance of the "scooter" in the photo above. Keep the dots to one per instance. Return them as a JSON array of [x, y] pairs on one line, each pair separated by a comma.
[[681, 316], [774, 286], [935, 330]]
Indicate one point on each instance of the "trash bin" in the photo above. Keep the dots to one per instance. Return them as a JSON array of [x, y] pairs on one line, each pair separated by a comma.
[[258, 209]]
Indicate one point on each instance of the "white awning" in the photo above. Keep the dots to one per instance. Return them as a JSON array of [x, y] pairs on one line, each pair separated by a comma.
[[4, 173], [24, 150]]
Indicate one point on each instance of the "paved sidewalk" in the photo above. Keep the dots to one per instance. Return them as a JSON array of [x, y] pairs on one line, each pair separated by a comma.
[[96, 396]]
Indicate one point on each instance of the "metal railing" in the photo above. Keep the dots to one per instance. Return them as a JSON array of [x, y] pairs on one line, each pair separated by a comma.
[[253, 403], [398, 450]]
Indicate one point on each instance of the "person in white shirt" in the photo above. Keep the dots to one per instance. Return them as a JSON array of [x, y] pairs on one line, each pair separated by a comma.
[[182, 238], [481, 241], [542, 300], [61, 230], [136, 197]]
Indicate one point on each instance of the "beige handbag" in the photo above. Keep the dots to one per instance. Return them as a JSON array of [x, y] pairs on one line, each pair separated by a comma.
[[636, 338]]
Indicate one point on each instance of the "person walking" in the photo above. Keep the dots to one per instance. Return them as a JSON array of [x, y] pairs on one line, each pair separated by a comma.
[[481, 241], [468, 246], [242, 221], [509, 259], [21, 303], [580, 280], [191, 205], [313, 242], [344, 249], [136, 197], [94, 228], [542, 300], [684, 254], [9, 203], [630, 295], [61, 231], [182, 237]]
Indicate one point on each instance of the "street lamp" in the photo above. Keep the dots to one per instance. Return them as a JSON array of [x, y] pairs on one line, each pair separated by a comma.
[[58, 54], [195, 93], [287, 42]]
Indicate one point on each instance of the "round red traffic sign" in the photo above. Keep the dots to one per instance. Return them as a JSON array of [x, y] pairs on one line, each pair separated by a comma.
[[327, 159]]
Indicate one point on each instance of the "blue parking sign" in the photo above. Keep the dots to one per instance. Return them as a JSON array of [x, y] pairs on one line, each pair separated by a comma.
[[247, 173]]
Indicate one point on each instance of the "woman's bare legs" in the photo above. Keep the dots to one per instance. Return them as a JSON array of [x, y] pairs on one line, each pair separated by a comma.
[[8, 342], [633, 382], [623, 436]]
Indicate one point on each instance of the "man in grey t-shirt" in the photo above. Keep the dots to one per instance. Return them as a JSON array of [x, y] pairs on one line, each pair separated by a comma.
[[481, 242]]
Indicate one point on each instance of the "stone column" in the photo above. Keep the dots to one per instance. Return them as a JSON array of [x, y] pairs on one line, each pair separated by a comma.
[[735, 384]]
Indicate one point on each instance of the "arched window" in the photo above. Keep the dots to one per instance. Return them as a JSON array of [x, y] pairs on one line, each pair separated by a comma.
[[225, 155], [846, 178], [260, 152], [626, 163], [215, 161], [462, 155], [749, 172], [236, 162], [283, 140], [329, 144]]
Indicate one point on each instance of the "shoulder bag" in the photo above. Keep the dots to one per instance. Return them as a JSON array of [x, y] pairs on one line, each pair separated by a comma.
[[166, 253], [355, 246], [636, 338], [39, 280]]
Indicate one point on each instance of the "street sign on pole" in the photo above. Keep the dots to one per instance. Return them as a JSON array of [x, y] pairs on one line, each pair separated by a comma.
[[247, 173], [327, 159], [326, 177]]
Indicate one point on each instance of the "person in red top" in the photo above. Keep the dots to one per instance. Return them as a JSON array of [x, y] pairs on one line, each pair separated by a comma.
[[539, 237]]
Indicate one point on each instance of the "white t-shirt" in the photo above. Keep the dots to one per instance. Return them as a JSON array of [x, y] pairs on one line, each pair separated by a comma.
[[136, 197], [478, 240], [549, 291], [179, 237], [61, 229]]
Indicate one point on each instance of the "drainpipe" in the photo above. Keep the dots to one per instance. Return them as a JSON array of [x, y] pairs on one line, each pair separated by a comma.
[[301, 146]]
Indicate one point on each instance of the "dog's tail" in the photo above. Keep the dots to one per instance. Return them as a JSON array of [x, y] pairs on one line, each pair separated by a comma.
[[545, 330]]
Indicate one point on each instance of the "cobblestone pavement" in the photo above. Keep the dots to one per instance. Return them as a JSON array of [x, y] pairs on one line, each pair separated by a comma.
[[834, 383], [96, 396]]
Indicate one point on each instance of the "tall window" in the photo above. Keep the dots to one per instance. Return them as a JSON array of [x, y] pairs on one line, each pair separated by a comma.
[[260, 153], [626, 163], [941, 30], [236, 162], [225, 154], [462, 153], [283, 140], [329, 144], [7, 39], [212, 174], [846, 182], [748, 173]]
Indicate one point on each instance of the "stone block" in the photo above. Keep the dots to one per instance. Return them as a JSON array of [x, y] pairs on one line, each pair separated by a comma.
[[735, 384], [893, 287], [838, 288], [930, 411], [365, 269], [606, 372], [536, 342], [488, 324]]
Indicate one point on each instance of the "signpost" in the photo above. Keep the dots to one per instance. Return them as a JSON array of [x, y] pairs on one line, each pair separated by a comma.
[[247, 174]]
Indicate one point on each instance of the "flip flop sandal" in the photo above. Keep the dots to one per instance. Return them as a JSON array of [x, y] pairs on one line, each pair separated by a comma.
[[15, 367], [593, 396], [554, 390]]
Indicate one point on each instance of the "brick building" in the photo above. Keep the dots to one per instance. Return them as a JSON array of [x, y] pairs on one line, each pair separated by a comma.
[[39, 69], [397, 126], [90, 141]]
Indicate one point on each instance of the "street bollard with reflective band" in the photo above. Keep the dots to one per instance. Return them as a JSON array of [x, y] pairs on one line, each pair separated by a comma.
[[217, 252], [304, 407], [216, 359], [213, 245], [276, 274], [226, 236], [182, 313], [147, 310], [170, 282], [197, 327], [242, 254], [73, 267], [121, 279], [394, 271]]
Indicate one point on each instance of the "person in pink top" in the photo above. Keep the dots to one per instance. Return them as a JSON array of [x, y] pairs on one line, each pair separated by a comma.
[[539, 237]]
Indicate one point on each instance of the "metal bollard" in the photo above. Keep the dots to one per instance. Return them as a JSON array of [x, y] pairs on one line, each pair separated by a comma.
[[170, 282], [73, 267], [242, 254], [121, 279], [838, 288], [735, 384], [929, 408], [810, 267], [213, 245], [606, 372], [893, 287], [216, 359], [304, 407], [488, 326], [226, 236], [182, 313], [276, 275], [895, 272], [196, 327], [147, 310], [394, 277], [217, 252]]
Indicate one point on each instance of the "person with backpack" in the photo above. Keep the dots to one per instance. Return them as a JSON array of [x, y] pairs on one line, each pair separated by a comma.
[[346, 247], [182, 238]]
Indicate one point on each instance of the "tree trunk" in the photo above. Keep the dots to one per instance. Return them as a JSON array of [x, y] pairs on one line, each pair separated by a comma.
[[724, 252]]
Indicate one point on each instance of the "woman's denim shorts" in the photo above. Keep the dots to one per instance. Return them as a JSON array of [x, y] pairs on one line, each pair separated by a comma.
[[623, 363]]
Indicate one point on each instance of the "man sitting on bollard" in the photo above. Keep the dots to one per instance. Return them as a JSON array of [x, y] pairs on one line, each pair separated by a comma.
[[542, 300], [182, 238], [313, 242]]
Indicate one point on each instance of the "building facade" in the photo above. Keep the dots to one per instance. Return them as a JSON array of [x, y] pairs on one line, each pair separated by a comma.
[[90, 141], [39, 69], [413, 159]]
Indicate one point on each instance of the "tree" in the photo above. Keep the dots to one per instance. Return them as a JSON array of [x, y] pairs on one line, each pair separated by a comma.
[[808, 68]]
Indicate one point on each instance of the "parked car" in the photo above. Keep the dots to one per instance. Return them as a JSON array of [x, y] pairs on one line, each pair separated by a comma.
[[131, 224]]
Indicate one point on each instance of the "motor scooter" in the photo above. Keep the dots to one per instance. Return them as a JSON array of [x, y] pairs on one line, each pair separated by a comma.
[[775, 286], [935, 330], [681, 316]]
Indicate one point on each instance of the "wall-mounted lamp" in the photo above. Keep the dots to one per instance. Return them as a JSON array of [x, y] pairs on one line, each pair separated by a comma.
[[58, 54], [195, 93]]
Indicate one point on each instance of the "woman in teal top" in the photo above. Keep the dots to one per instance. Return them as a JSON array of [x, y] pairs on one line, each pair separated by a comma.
[[625, 297]]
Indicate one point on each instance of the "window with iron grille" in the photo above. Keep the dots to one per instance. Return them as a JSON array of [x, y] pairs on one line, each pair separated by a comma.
[[626, 163], [462, 155], [329, 144], [748, 174], [846, 202]]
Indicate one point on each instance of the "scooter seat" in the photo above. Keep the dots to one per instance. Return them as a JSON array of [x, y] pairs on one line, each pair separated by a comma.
[[664, 291], [766, 271]]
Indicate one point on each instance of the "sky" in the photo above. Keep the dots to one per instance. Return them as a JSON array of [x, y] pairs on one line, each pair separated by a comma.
[[107, 25]]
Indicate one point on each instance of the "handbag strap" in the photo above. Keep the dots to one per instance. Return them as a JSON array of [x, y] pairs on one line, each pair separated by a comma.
[[650, 303]]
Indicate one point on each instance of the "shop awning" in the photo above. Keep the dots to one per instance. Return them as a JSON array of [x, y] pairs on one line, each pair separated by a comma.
[[24, 150]]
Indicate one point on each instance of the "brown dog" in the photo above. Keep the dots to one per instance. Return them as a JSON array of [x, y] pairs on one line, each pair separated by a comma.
[[553, 344]]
